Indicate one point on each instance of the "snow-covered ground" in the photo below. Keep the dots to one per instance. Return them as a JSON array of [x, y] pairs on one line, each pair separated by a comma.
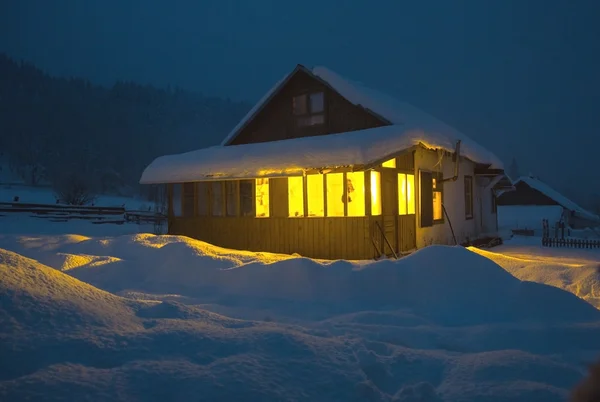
[[575, 270], [138, 316], [45, 195]]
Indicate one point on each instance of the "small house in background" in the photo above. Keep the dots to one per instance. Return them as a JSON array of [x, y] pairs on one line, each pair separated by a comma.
[[328, 168], [532, 201]]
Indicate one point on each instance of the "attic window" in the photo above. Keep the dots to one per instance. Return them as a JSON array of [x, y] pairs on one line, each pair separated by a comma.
[[309, 109]]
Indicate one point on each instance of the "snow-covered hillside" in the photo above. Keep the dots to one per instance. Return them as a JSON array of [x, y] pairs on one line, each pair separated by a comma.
[[186, 321]]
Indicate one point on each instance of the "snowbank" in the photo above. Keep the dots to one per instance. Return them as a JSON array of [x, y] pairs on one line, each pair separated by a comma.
[[442, 324], [574, 270], [447, 284]]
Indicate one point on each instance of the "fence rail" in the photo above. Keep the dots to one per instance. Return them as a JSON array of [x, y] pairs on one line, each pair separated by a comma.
[[93, 214], [570, 243]]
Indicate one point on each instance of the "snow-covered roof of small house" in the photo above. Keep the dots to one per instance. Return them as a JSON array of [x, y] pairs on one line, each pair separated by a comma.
[[292, 157], [408, 127], [549, 192]]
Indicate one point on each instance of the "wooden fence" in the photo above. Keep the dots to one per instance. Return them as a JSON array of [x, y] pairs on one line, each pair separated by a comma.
[[93, 214], [570, 243]]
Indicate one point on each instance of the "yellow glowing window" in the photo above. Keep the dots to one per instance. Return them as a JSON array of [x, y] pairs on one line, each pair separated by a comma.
[[406, 191], [389, 164], [315, 195], [262, 198], [375, 193], [438, 213], [410, 193], [355, 182], [295, 196], [335, 194]]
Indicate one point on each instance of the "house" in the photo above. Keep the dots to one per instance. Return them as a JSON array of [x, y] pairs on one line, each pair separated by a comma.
[[328, 168], [532, 201]]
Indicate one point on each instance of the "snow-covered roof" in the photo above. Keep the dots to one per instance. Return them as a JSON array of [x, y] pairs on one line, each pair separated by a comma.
[[294, 156], [549, 192], [377, 102], [408, 127]]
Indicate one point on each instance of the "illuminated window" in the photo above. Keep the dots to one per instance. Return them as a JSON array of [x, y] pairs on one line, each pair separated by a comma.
[[216, 188], [202, 198], [355, 182], [335, 194], [375, 193], [315, 195], [247, 197], [390, 164], [231, 198], [262, 198], [406, 194], [295, 196], [438, 212], [176, 199]]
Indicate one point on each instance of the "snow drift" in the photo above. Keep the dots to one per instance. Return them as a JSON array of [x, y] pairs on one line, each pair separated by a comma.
[[443, 324]]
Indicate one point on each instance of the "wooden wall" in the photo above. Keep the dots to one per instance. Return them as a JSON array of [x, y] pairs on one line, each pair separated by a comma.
[[277, 122], [316, 237], [327, 238]]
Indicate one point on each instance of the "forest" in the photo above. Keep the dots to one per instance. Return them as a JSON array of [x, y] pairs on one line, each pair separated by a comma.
[[61, 131]]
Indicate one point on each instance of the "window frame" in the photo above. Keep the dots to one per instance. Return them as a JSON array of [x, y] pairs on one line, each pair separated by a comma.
[[469, 202], [439, 188], [299, 118], [188, 199], [406, 174]]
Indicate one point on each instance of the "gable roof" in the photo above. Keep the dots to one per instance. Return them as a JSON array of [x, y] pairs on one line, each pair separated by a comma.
[[560, 199], [407, 127], [385, 107]]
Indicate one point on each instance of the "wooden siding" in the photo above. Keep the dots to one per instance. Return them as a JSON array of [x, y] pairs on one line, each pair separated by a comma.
[[327, 238], [276, 121]]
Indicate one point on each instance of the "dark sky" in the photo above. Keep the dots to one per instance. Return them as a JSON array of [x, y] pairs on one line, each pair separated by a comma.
[[519, 76]]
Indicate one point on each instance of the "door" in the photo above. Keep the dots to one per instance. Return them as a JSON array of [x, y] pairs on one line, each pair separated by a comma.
[[389, 211]]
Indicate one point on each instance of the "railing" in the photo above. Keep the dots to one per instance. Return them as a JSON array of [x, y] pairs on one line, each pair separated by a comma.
[[570, 243], [384, 237]]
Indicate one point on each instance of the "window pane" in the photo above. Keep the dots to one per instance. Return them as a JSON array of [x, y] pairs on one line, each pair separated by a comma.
[[410, 193], [389, 164], [188, 199], [356, 193], [468, 197], [437, 206], [375, 193], [402, 196], [311, 120], [202, 198], [317, 102], [295, 196], [335, 194], [315, 195], [176, 200], [231, 200], [300, 105], [262, 198], [246, 197], [217, 198]]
